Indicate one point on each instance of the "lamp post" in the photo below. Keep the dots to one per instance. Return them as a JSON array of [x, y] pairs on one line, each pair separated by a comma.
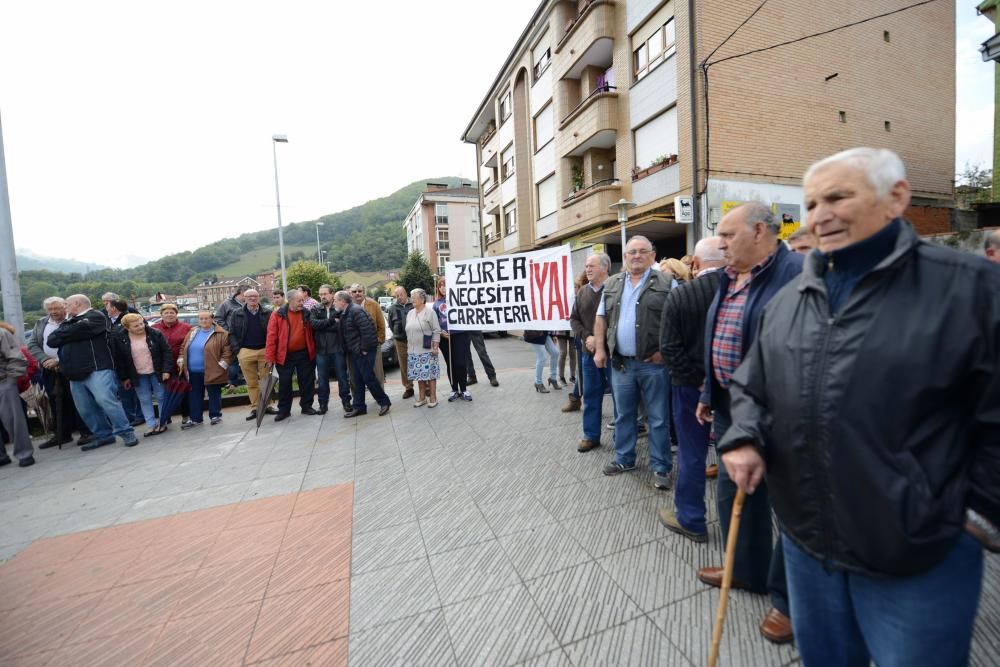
[[275, 140], [8, 259], [319, 253], [623, 206]]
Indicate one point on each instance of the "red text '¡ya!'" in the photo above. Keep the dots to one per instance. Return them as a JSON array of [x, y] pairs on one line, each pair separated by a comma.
[[548, 289]]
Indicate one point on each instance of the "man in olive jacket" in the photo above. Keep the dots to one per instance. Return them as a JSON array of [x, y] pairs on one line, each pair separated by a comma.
[[13, 365], [628, 321], [871, 398]]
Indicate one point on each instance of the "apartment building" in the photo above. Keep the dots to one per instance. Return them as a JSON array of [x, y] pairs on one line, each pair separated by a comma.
[[444, 224], [594, 104], [211, 293]]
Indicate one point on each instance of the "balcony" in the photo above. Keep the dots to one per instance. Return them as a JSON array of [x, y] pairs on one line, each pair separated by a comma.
[[597, 20], [593, 124], [591, 205], [443, 246]]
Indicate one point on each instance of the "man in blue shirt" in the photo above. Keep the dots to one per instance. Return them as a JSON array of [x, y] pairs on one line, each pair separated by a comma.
[[628, 319]]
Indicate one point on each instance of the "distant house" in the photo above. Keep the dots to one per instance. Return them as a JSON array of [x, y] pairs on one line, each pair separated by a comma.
[[266, 282], [212, 293]]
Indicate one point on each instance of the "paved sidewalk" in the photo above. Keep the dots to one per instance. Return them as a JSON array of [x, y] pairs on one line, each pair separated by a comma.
[[479, 536]]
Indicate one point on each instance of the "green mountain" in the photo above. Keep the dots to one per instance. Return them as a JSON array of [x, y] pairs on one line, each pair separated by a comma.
[[29, 261], [368, 237]]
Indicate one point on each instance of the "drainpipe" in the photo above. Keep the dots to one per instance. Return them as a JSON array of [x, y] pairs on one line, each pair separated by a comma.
[[693, 79]]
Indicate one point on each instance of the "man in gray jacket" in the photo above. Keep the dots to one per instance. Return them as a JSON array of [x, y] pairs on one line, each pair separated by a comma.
[[12, 366]]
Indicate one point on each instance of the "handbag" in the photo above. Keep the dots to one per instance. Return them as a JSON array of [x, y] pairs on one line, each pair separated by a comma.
[[428, 337]]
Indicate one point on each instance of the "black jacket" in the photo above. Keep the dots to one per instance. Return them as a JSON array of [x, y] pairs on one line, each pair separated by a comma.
[[326, 329], [397, 319], [682, 328], [358, 330], [225, 310], [782, 267], [83, 345], [159, 350], [238, 326], [880, 424]]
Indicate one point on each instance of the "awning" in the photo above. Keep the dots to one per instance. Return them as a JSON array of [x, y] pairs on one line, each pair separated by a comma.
[[653, 226]]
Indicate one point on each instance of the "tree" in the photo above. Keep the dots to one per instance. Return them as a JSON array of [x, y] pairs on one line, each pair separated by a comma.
[[975, 184], [417, 273], [312, 274]]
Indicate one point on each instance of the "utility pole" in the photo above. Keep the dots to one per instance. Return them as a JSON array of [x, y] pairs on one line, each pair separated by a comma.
[[8, 258]]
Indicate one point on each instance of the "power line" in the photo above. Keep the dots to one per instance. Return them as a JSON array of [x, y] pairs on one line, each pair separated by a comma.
[[745, 21], [815, 34]]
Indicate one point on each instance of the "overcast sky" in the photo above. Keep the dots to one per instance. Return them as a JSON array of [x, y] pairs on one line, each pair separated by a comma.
[[135, 130]]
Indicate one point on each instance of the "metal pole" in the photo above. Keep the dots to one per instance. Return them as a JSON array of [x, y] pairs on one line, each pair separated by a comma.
[[8, 258], [622, 223], [281, 237], [693, 76], [319, 253]]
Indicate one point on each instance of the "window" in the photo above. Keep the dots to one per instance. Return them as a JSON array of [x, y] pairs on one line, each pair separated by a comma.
[[510, 219], [543, 127], [542, 61], [440, 214], [505, 106], [507, 163], [442, 259], [655, 49], [547, 196], [656, 139]]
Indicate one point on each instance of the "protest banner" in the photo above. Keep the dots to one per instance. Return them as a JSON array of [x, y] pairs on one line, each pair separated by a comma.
[[530, 290]]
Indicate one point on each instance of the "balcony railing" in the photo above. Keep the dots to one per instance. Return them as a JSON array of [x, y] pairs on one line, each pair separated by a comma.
[[575, 22], [483, 140], [582, 192], [600, 90]]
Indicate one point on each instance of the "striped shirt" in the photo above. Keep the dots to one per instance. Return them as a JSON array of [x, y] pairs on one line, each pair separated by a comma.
[[727, 339]]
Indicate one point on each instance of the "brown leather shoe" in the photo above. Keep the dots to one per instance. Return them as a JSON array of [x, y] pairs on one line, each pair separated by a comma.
[[776, 627], [713, 577], [573, 405], [587, 445], [712, 471]]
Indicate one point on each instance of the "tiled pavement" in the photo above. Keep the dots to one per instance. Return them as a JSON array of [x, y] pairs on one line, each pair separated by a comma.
[[479, 536]]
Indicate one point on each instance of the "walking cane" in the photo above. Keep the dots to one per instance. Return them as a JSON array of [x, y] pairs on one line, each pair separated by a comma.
[[727, 576]]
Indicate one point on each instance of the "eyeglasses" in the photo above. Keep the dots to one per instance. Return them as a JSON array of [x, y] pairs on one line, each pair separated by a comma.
[[636, 253], [357, 291]]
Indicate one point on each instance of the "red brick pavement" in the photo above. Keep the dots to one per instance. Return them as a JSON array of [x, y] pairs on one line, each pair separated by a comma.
[[265, 582]]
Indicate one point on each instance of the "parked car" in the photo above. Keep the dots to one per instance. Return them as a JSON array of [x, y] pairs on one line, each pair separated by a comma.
[[384, 302]]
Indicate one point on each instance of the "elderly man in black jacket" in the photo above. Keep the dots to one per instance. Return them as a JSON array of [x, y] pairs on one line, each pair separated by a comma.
[[682, 342], [397, 322], [330, 356], [361, 343], [871, 398], [85, 359], [247, 339]]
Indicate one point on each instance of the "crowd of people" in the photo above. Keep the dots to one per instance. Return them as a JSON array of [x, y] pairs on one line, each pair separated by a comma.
[[848, 378], [102, 369], [838, 397]]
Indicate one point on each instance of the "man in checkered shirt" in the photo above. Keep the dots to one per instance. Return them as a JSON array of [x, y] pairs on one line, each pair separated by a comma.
[[758, 264]]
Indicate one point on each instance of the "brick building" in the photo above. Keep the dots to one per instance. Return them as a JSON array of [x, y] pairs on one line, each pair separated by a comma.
[[212, 293], [594, 103], [444, 225]]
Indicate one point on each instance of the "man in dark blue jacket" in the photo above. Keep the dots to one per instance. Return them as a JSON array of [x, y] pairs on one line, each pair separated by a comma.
[[361, 342], [86, 361], [758, 265]]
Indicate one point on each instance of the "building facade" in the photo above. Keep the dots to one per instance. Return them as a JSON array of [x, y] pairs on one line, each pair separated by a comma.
[[212, 293], [444, 225], [594, 104]]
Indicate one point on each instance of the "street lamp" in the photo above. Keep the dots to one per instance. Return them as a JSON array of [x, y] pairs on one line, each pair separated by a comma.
[[623, 206], [275, 140], [319, 253]]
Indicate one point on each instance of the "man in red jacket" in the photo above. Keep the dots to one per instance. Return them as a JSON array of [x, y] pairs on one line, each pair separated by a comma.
[[290, 347]]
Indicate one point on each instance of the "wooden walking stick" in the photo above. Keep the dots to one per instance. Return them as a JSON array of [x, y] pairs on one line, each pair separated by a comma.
[[727, 576]]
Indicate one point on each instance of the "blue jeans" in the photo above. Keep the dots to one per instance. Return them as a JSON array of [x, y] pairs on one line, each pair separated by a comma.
[[640, 380], [130, 403], [692, 452], [144, 389], [846, 618], [96, 399], [338, 362], [596, 383], [540, 352], [196, 397], [363, 370]]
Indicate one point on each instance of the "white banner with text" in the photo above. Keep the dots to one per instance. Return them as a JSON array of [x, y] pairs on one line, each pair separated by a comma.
[[529, 290]]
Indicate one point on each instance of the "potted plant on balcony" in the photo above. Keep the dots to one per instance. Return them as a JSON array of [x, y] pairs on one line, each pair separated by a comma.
[[660, 162]]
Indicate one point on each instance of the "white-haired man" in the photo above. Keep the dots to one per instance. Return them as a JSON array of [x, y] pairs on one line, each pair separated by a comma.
[[56, 385], [992, 246], [878, 424], [85, 358], [682, 342]]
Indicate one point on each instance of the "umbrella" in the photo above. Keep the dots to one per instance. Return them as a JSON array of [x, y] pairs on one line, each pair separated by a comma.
[[267, 385], [174, 391], [38, 403]]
